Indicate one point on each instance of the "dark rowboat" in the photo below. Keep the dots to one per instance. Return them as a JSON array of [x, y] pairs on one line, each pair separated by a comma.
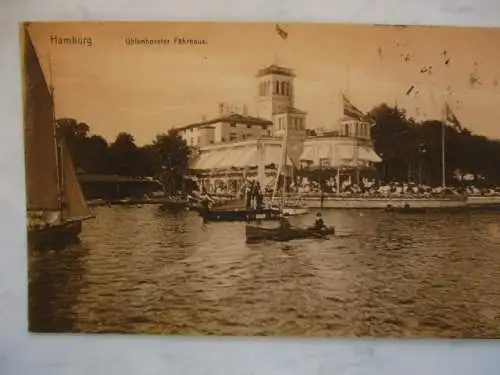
[[239, 215], [405, 209], [175, 205], [256, 234]]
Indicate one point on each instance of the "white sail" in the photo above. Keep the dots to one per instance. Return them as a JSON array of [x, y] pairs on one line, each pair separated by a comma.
[[42, 182], [75, 206]]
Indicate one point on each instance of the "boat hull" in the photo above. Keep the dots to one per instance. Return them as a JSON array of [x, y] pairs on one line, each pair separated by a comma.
[[54, 237], [383, 203], [406, 210], [255, 234], [239, 215], [294, 211], [489, 202], [174, 205]]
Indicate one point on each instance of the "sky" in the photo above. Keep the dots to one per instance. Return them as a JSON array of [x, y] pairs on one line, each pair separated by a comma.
[[146, 90]]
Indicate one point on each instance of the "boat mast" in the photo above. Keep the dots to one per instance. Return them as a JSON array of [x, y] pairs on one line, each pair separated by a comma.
[[280, 169], [57, 144], [337, 156], [443, 145]]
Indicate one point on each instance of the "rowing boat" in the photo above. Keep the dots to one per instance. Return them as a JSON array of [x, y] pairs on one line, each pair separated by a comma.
[[256, 234], [239, 215]]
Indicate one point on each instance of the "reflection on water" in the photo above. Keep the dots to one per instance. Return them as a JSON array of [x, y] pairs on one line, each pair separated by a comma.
[[143, 270]]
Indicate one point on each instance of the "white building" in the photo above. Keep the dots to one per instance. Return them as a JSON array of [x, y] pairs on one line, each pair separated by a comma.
[[234, 145]]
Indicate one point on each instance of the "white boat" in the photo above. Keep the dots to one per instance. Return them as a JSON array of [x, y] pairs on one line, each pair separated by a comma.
[[294, 210], [56, 206]]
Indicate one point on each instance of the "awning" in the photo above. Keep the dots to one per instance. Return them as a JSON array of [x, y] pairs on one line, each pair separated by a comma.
[[335, 154], [307, 153], [345, 152], [200, 161], [340, 154], [246, 157], [324, 152], [373, 157], [215, 160], [272, 155]]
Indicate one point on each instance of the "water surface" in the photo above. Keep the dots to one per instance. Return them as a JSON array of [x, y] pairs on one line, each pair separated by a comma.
[[144, 270]]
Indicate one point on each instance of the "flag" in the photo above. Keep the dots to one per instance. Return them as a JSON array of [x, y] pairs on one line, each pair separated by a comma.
[[282, 33], [451, 119], [349, 110]]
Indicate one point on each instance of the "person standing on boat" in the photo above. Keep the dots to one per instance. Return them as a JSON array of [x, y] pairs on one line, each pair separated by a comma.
[[259, 198], [248, 196]]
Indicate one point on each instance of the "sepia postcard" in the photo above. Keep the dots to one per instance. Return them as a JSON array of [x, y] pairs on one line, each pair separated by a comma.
[[262, 179]]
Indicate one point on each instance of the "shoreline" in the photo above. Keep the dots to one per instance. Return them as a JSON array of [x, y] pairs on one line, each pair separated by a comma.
[[335, 202]]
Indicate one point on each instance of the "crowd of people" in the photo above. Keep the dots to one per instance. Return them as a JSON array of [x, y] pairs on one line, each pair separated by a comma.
[[252, 192]]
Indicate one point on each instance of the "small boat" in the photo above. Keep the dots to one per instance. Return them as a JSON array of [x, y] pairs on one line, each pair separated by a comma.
[[294, 210], [174, 205], [239, 215], [56, 206], [256, 234], [406, 209]]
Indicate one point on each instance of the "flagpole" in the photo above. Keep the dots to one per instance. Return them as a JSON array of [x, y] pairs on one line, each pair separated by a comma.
[[443, 145]]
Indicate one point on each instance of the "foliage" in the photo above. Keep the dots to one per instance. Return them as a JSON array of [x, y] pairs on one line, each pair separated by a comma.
[[169, 157], [412, 150], [165, 158]]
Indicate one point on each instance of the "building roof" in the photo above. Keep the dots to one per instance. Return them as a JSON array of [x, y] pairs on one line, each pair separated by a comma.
[[291, 110], [366, 118], [275, 69], [232, 118]]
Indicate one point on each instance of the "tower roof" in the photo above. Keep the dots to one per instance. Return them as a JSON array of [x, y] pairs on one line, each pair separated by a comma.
[[275, 69]]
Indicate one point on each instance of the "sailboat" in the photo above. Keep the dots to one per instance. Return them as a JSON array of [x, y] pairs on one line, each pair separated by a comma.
[[285, 232], [56, 206], [286, 208]]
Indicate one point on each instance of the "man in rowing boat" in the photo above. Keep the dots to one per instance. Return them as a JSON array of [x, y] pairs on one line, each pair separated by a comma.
[[284, 223], [318, 223]]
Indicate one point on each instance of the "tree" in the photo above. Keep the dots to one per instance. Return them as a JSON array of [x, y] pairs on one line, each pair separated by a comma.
[[406, 145], [169, 155], [125, 156], [88, 153], [395, 139]]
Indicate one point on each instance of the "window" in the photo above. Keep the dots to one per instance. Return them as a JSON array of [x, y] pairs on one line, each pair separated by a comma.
[[233, 125], [249, 126], [276, 87], [346, 129]]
